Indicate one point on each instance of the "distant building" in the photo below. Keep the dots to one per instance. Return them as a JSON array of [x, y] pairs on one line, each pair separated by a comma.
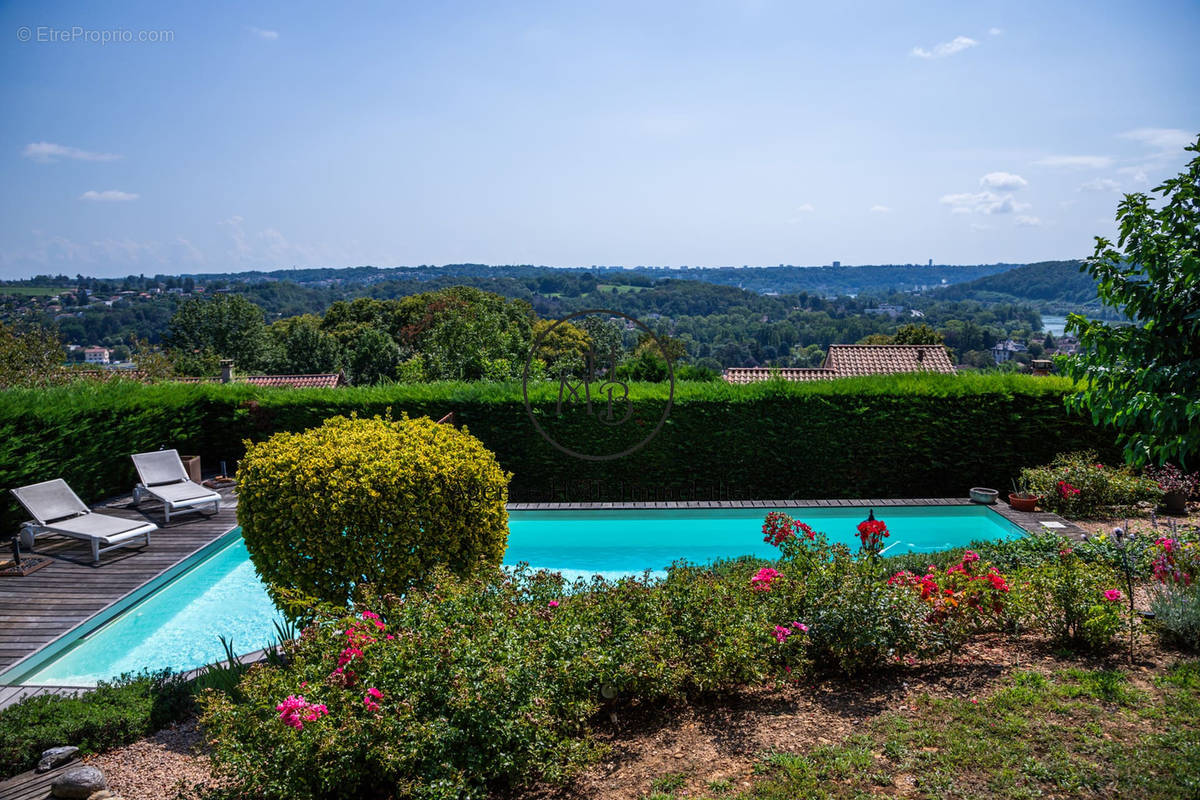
[[891, 310], [931, 262], [837, 263], [1004, 351], [96, 355], [852, 360], [1066, 345]]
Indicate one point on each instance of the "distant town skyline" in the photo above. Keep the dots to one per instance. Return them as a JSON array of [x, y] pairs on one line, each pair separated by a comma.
[[154, 138]]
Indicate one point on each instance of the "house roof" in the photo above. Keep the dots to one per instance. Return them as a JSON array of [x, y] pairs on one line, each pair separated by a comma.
[[321, 381], [850, 360], [886, 359], [755, 374]]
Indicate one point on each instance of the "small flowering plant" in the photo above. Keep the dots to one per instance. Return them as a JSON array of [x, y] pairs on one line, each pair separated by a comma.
[[761, 581], [1066, 491], [798, 543], [964, 598], [1175, 563], [872, 532]]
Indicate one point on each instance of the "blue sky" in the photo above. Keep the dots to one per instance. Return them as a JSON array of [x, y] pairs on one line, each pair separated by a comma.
[[706, 133]]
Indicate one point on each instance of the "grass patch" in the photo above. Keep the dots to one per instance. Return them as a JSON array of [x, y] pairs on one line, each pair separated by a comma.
[[1079, 732], [32, 291]]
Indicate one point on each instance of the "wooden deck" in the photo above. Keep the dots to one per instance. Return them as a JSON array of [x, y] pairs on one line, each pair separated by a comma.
[[37, 609]]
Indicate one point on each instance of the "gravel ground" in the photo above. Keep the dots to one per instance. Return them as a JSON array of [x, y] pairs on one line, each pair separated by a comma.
[[161, 767]]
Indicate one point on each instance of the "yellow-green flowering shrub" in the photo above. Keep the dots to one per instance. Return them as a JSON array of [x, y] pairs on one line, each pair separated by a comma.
[[378, 501]]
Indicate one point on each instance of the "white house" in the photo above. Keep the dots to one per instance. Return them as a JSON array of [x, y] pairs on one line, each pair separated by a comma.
[[1003, 351], [96, 355]]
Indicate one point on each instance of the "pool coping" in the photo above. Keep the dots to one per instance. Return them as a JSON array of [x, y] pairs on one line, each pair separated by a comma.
[[1028, 521]]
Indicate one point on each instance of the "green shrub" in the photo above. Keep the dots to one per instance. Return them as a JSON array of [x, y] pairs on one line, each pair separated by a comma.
[[466, 686], [1077, 485], [371, 501], [1065, 599], [775, 439], [115, 713]]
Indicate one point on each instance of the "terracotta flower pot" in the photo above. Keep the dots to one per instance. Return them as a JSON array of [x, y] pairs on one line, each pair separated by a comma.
[[1019, 503], [1175, 502]]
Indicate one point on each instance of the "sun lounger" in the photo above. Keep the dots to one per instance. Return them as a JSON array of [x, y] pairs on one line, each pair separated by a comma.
[[57, 509], [164, 478]]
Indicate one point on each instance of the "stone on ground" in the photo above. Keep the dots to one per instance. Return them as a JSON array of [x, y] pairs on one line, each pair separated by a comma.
[[56, 757], [78, 783]]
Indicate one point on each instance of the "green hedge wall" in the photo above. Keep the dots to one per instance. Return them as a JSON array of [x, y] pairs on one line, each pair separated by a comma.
[[893, 436]]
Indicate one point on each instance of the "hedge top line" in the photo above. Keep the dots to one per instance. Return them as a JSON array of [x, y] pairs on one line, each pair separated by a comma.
[[83, 395]]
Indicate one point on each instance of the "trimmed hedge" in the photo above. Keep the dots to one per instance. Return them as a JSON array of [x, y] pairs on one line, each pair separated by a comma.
[[885, 436], [369, 500]]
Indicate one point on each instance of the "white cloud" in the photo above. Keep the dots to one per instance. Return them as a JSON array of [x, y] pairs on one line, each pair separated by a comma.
[[985, 202], [1136, 174], [878, 209], [1101, 185], [1002, 180], [807, 208], [1028, 222], [1092, 162], [943, 49], [1164, 139], [995, 31], [48, 152], [265, 34], [108, 196]]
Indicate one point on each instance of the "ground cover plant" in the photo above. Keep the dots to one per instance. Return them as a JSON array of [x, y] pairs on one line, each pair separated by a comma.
[[117, 712]]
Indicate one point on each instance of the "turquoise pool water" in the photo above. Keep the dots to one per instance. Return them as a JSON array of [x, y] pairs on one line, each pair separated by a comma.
[[178, 626]]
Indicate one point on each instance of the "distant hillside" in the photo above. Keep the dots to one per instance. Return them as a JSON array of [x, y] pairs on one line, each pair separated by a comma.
[[1048, 284], [831, 281]]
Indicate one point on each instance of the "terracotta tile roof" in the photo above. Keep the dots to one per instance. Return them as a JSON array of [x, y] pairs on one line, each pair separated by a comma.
[[755, 374], [849, 360], [324, 381], [886, 359]]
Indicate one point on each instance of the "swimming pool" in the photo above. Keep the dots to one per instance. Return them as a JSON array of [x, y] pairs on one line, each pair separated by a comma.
[[178, 625]]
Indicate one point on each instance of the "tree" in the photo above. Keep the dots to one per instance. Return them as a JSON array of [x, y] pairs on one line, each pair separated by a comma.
[[563, 348], [300, 347], [374, 357], [462, 333], [917, 334], [222, 326], [1143, 379], [29, 356]]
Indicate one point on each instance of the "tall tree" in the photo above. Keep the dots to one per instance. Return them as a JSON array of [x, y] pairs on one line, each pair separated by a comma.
[[222, 326], [300, 347], [1143, 379]]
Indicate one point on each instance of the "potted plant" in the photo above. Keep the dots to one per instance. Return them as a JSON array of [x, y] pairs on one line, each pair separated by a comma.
[[1176, 484], [1021, 499]]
